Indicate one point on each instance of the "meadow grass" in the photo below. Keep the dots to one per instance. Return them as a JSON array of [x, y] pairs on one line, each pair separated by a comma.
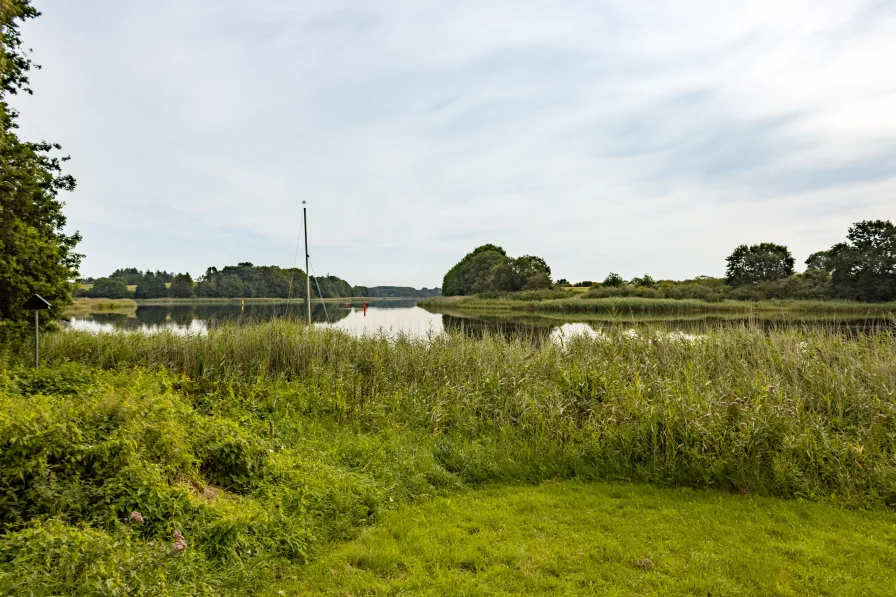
[[791, 413], [264, 444], [613, 539], [83, 306], [632, 305]]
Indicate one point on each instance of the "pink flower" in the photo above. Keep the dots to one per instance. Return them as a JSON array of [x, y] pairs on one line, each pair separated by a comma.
[[179, 543], [135, 517]]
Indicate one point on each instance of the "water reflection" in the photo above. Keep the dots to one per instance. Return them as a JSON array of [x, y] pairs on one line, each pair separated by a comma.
[[199, 318], [404, 317]]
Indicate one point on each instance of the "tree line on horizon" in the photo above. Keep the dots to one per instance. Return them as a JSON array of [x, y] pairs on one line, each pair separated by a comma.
[[862, 268], [243, 280]]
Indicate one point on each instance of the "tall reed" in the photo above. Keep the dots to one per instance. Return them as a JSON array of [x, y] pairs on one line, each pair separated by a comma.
[[785, 412]]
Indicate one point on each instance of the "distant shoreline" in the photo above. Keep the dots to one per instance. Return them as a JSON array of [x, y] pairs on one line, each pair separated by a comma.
[[626, 305], [87, 305]]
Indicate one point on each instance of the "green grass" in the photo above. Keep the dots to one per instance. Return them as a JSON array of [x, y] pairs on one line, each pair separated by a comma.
[[634, 305], [604, 539], [82, 306], [788, 413], [264, 445]]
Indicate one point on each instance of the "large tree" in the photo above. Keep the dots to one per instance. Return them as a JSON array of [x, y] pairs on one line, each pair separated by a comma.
[[489, 269], [458, 280], [181, 286], [36, 255], [864, 267], [152, 286], [819, 261], [759, 263], [113, 288]]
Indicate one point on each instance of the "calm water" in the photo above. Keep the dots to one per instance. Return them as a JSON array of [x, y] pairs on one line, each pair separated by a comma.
[[404, 317]]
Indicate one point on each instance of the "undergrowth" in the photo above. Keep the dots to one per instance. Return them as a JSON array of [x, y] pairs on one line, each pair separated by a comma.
[[259, 445]]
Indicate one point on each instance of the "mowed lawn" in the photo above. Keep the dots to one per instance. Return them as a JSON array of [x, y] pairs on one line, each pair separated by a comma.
[[604, 539]]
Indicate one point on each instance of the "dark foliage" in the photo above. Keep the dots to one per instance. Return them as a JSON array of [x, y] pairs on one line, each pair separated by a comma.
[[181, 286], [36, 256], [613, 280], [864, 267], [758, 263], [151, 286], [488, 269], [111, 288], [820, 260]]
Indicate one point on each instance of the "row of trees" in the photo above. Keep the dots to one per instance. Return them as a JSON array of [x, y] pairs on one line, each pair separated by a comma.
[[133, 276], [863, 268], [150, 285], [243, 280], [396, 292], [489, 269]]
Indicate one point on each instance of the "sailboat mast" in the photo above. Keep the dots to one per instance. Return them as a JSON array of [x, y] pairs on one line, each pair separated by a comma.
[[307, 270]]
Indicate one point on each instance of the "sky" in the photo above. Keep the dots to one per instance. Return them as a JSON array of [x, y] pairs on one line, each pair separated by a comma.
[[647, 137]]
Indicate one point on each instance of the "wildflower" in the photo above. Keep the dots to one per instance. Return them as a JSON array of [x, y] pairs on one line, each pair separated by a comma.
[[135, 517], [180, 543], [644, 563]]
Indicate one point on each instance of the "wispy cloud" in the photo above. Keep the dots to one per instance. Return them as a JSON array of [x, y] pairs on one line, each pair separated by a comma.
[[627, 136]]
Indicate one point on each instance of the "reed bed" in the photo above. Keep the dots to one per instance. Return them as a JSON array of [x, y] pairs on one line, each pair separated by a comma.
[[636, 305], [83, 306], [786, 412]]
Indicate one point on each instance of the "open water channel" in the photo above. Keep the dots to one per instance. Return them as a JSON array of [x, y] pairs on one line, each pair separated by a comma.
[[394, 317]]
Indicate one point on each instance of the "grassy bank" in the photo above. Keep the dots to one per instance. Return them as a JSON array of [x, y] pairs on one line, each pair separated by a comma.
[[220, 301], [261, 445], [784, 413], [640, 306], [83, 306], [97, 305], [600, 539]]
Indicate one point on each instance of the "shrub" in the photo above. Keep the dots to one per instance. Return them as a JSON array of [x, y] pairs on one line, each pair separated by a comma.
[[230, 457]]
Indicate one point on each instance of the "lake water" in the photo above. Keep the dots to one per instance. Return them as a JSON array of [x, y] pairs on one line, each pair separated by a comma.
[[405, 317]]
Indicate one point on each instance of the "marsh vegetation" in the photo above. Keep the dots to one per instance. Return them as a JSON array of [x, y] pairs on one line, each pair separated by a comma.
[[261, 445]]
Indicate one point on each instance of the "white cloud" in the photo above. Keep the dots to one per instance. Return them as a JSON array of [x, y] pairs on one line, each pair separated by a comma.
[[627, 136]]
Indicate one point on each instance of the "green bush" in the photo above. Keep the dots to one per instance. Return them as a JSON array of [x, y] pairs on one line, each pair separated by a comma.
[[230, 457]]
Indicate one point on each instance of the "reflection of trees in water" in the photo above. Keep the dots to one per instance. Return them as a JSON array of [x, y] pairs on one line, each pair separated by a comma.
[[184, 315], [537, 332], [116, 319], [152, 316]]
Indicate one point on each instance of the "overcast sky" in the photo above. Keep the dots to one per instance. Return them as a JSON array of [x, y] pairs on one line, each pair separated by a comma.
[[628, 136]]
